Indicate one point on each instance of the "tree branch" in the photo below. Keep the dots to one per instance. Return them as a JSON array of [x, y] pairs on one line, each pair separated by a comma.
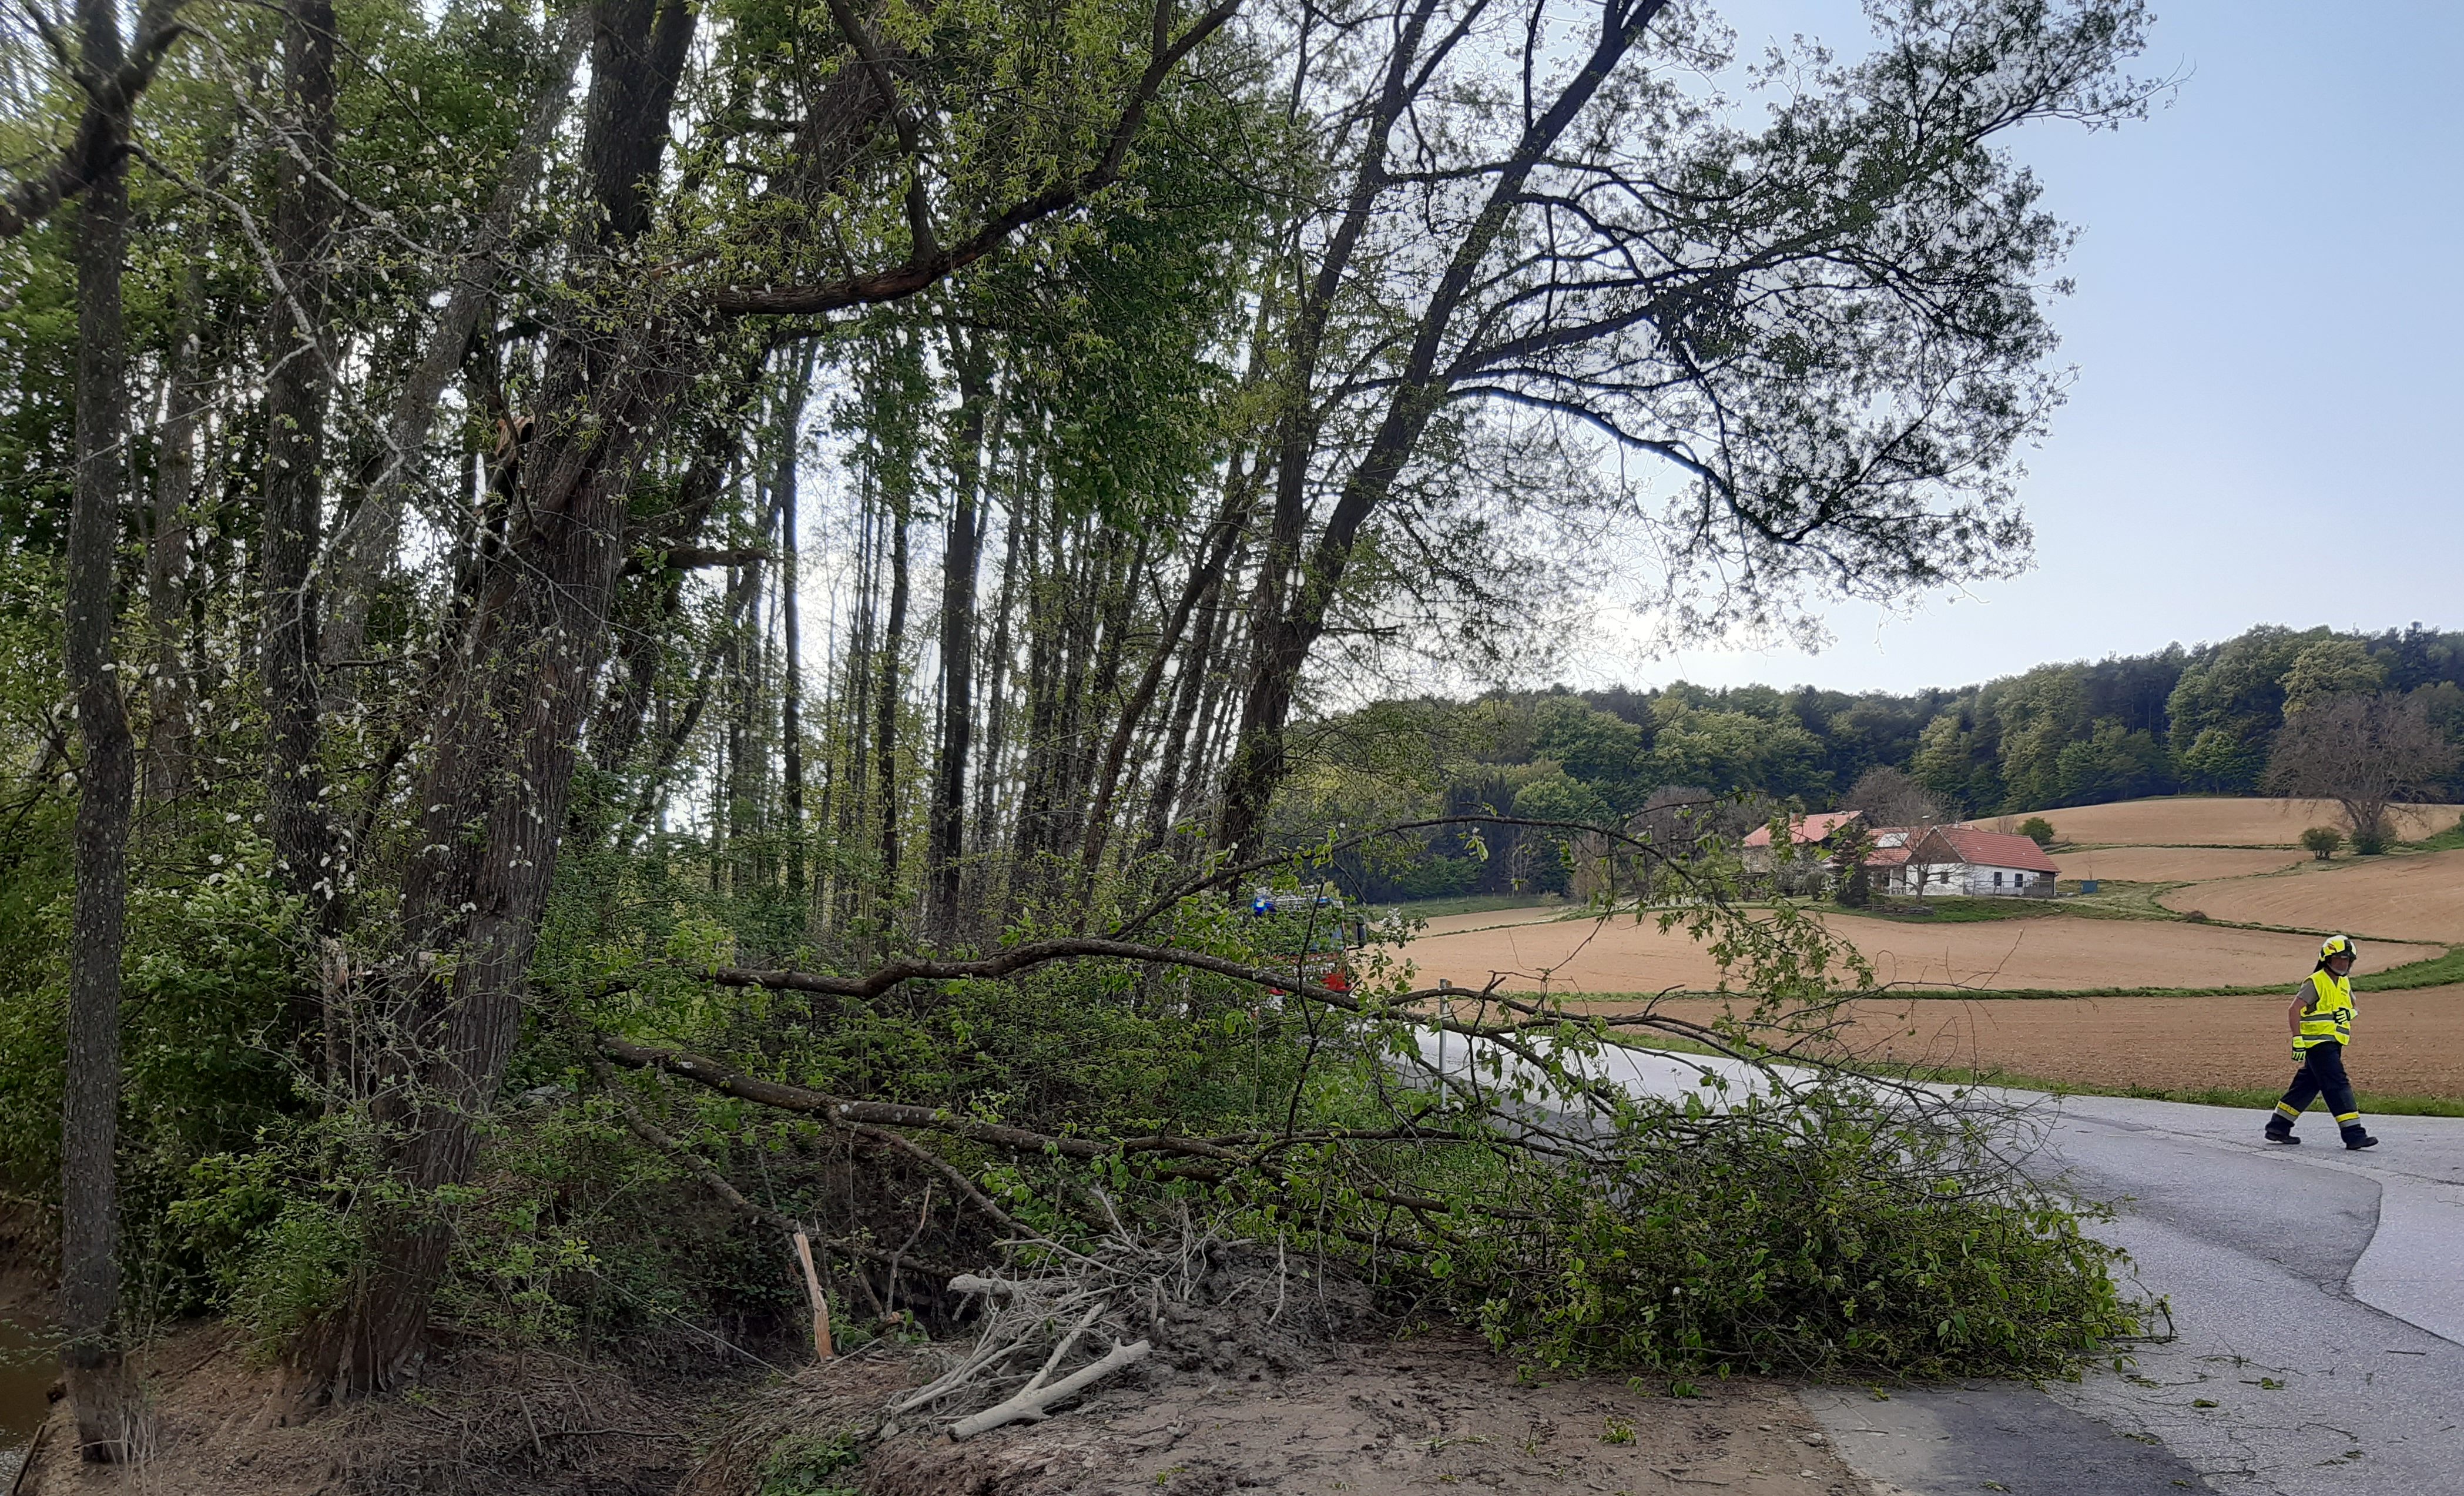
[[102, 127], [927, 262]]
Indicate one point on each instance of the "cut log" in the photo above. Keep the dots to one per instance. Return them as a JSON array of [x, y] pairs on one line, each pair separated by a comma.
[[1030, 1402]]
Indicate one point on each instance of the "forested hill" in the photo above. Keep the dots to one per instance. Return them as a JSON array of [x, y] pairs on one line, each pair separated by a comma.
[[2201, 718]]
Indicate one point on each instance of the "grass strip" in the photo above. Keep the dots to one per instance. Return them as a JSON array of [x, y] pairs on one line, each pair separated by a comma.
[[1465, 904], [2447, 840], [2254, 1097]]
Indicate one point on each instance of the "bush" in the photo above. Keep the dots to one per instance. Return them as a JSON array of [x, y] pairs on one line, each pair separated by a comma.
[[2037, 829], [2372, 843], [1827, 1233], [2322, 842]]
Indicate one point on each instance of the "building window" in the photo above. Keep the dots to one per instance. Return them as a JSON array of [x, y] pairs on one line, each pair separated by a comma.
[[1997, 878]]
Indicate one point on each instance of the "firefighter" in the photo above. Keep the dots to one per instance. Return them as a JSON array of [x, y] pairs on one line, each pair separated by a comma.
[[2321, 1020]]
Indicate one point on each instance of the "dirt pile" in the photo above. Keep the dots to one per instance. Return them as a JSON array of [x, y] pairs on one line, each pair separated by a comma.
[[1383, 1419]]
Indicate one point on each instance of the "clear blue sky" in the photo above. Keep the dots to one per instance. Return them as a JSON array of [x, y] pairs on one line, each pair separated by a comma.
[[2269, 331]]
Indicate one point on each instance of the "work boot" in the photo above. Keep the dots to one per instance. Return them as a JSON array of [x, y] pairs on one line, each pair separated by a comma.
[[2357, 1138], [2279, 1131]]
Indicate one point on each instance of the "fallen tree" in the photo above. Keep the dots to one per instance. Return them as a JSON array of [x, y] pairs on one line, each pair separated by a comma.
[[1774, 1208]]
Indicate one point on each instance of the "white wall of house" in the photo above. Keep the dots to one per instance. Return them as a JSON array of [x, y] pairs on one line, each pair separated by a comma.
[[1969, 880]]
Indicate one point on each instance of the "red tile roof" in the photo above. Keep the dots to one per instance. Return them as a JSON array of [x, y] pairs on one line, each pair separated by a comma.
[[1990, 850], [1806, 830]]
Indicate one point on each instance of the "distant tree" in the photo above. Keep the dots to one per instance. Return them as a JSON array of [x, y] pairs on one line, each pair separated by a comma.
[[2228, 704], [2037, 829], [1547, 858], [2365, 753], [1851, 852], [1736, 750], [2113, 761], [1889, 798], [2322, 842], [2338, 666]]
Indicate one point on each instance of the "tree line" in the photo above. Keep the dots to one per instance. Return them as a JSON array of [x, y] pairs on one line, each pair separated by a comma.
[[2211, 718]]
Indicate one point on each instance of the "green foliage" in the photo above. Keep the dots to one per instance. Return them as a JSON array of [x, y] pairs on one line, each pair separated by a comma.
[[2338, 665], [280, 1251], [1820, 1239], [813, 1464], [2322, 842], [2037, 829], [2227, 706], [2445, 841], [2061, 735]]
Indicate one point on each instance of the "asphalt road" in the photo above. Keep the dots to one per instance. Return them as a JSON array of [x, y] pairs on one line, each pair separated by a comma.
[[2317, 1301]]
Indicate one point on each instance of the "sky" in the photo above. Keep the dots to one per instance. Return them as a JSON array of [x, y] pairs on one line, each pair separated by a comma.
[[2266, 328]]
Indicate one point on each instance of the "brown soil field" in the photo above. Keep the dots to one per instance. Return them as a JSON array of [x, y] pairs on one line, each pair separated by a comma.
[[1456, 924], [2051, 952], [2172, 864], [2408, 1043], [2194, 821], [2419, 898]]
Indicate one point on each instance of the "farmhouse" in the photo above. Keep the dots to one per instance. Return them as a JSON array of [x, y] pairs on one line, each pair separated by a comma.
[[1948, 860], [1813, 835]]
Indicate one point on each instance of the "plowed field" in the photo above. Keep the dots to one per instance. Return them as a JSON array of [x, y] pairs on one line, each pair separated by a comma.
[[2193, 820], [2047, 953], [2172, 864], [2420, 898]]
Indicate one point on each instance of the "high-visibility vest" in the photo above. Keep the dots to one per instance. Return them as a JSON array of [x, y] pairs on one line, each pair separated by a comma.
[[2327, 1017]]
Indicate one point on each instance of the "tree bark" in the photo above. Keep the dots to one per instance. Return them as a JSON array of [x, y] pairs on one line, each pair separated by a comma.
[[297, 387], [1293, 606], [790, 540], [1206, 569], [97, 1386], [885, 724], [960, 557], [168, 730], [493, 795], [364, 540]]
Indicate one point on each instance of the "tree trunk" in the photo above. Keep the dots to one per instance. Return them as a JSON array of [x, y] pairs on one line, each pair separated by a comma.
[[1197, 666], [960, 556], [997, 689], [296, 385], [1206, 567], [790, 542], [885, 726], [367, 537], [492, 796], [168, 730], [98, 1385]]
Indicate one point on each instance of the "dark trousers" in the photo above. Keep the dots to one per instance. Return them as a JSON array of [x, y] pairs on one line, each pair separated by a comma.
[[2323, 1074]]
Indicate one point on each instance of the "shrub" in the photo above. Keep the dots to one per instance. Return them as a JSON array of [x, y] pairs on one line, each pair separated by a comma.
[[2037, 829], [2196, 916], [2322, 842], [2372, 843], [1830, 1232]]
